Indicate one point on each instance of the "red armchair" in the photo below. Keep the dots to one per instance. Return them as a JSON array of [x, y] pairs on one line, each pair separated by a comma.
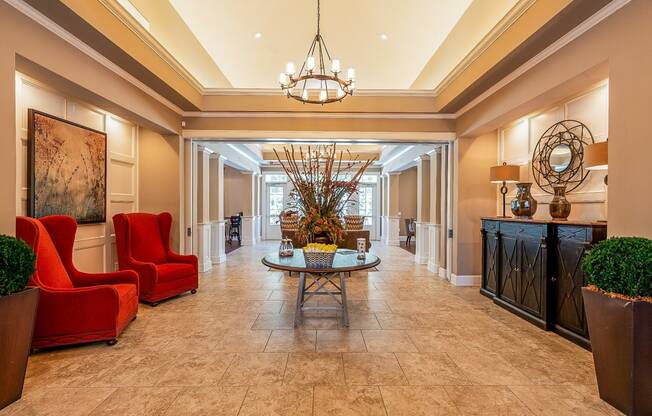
[[74, 307], [143, 245]]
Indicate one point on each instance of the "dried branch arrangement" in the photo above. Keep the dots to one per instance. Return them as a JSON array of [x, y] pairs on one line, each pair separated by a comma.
[[324, 184]]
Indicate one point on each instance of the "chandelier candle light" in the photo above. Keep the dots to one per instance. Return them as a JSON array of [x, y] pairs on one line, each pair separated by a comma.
[[315, 84]]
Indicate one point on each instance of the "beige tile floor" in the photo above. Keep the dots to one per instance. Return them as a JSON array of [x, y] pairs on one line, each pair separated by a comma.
[[415, 346]]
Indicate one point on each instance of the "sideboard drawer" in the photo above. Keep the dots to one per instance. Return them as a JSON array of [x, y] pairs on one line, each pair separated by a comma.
[[490, 226], [524, 230]]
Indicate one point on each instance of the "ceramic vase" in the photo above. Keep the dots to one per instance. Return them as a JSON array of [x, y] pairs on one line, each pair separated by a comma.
[[560, 208], [524, 205]]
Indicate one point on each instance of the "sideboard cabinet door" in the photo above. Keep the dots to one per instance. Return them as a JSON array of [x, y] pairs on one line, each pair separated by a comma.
[[490, 252]]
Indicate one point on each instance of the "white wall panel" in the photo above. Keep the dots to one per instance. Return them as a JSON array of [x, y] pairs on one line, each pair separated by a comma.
[[94, 244], [518, 141]]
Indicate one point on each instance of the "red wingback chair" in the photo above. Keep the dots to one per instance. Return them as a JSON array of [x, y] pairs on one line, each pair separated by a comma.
[[143, 244], [74, 307]]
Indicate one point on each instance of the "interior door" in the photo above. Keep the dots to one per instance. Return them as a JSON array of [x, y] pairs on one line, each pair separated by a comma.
[[367, 203], [275, 202]]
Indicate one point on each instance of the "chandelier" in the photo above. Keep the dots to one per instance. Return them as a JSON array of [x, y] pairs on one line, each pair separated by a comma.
[[315, 84]]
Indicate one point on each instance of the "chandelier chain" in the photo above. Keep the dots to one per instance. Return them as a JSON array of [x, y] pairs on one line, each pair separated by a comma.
[[318, 16]]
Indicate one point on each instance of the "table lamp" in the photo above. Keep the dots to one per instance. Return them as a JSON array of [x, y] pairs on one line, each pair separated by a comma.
[[504, 174], [596, 157]]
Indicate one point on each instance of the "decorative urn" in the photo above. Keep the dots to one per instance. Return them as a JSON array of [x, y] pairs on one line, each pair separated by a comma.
[[524, 205], [560, 208]]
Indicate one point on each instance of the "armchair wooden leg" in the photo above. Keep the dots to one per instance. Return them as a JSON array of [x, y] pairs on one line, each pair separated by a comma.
[[112, 342], [193, 291], [153, 304]]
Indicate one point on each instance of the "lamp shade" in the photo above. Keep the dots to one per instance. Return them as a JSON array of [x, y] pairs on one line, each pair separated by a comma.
[[596, 156], [505, 173]]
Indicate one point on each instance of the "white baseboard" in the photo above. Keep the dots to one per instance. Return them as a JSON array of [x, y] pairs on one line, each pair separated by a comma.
[[468, 280], [248, 242], [219, 259], [433, 266], [443, 272], [421, 259], [205, 266], [393, 242]]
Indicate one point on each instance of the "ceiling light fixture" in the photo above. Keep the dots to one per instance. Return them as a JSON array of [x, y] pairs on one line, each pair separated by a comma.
[[327, 85], [383, 36], [258, 35]]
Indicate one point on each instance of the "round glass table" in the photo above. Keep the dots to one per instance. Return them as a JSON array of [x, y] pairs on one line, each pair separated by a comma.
[[328, 281]]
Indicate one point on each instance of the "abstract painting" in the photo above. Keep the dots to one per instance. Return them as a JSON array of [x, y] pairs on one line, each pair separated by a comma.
[[67, 169]]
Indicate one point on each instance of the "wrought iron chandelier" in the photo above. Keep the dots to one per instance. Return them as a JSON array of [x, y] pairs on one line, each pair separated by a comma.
[[315, 84]]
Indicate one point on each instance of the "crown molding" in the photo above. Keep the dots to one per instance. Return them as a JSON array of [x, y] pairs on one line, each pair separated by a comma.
[[575, 33], [505, 23], [358, 92], [48, 24], [313, 114], [296, 136], [149, 40]]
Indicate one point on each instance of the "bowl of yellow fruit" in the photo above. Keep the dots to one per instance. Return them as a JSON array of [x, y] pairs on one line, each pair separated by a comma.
[[319, 256]]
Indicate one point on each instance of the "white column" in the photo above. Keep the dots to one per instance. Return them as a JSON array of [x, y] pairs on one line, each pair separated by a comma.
[[259, 217], [443, 175], [217, 208], [422, 233], [449, 209], [203, 210], [392, 238], [248, 219], [433, 226]]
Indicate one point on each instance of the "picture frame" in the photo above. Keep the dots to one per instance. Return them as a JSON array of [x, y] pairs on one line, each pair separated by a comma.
[[67, 166]]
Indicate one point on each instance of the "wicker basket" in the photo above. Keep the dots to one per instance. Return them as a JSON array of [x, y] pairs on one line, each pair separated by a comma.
[[318, 259]]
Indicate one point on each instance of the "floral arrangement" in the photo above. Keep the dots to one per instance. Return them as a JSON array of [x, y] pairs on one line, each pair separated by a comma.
[[320, 248], [323, 186]]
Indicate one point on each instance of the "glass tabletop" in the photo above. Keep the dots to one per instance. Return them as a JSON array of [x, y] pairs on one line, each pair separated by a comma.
[[345, 261]]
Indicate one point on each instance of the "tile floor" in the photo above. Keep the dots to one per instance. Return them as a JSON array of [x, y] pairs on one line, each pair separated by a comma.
[[415, 346]]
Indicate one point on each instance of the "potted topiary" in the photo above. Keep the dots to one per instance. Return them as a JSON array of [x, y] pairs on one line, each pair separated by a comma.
[[618, 302], [18, 306]]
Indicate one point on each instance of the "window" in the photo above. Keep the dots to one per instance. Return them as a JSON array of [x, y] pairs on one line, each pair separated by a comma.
[[369, 179], [276, 178], [366, 204], [275, 203]]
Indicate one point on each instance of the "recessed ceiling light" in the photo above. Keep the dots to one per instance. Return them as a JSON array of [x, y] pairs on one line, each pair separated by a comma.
[[383, 36], [258, 35]]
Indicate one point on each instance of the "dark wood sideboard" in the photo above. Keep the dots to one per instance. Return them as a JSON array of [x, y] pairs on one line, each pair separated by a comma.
[[533, 269]]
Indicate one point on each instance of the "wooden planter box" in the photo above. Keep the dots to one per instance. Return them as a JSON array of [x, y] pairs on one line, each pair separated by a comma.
[[621, 339], [17, 316]]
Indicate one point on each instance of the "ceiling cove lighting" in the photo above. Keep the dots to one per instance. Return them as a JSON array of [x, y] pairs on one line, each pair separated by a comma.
[[318, 81]]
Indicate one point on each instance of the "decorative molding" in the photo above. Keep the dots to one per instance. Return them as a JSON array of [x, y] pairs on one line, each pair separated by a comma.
[[576, 32], [466, 280], [443, 272], [316, 114], [279, 93], [328, 136], [151, 42], [512, 16], [44, 21]]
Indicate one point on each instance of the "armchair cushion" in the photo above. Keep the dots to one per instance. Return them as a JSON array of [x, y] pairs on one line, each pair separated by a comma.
[[168, 272], [146, 243]]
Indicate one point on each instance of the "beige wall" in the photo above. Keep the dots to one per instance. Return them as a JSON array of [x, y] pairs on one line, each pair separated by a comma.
[[621, 44], [407, 196], [158, 180], [233, 199], [36, 51], [517, 142], [94, 249], [475, 197]]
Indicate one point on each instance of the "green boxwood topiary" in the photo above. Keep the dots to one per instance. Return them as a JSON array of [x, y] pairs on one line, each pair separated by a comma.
[[16, 264], [621, 265]]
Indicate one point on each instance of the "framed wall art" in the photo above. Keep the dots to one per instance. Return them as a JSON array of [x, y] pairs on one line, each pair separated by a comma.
[[66, 168]]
